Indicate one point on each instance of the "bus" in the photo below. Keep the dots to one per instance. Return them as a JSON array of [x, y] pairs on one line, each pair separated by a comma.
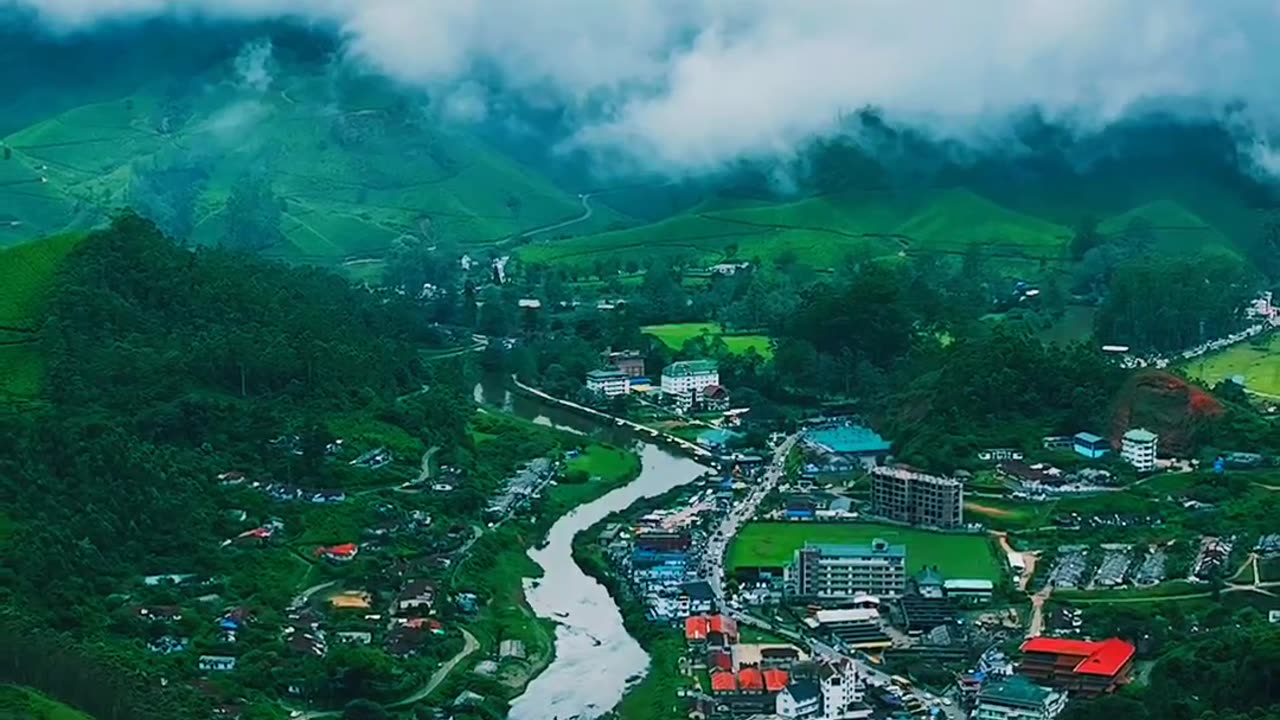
[[900, 681]]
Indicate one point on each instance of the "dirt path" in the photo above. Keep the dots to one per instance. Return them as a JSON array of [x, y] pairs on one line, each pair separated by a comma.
[[470, 645], [1029, 559]]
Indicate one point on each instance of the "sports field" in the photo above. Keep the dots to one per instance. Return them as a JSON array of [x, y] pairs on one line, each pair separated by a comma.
[[772, 544], [675, 335], [1259, 366]]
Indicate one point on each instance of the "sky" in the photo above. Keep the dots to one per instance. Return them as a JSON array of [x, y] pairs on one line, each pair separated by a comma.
[[690, 85]]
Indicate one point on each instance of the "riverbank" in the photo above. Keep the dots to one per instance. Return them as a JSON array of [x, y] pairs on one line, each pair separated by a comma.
[[657, 695]]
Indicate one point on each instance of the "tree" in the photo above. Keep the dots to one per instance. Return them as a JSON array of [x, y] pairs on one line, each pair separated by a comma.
[[364, 710], [252, 213]]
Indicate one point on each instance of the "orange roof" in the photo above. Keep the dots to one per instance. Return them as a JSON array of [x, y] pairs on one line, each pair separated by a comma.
[[750, 679], [722, 624], [1096, 658], [340, 550], [723, 682], [775, 680], [695, 628]]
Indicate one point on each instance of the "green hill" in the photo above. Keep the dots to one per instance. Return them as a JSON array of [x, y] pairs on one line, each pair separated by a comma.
[[349, 176], [21, 703], [1173, 227], [26, 274]]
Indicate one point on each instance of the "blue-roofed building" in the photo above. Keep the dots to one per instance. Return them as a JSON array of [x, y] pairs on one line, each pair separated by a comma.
[[716, 439], [1089, 445], [848, 441]]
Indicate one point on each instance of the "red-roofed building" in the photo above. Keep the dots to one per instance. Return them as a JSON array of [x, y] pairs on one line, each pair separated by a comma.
[[339, 553], [1082, 667], [775, 680], [750, 680], [723, 682], [695, 628], [721, 659]]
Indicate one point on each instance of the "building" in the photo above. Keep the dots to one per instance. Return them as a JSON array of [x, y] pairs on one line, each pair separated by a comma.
[[695, 598], [1138, 448], [338, 553], [841, 572], [928, 583], [854, 627], [903, 494], [1081, 667], [849, 441], [1017, 698], [799, 700], [417, 595], [969, 591], [1089, 445], [686, 380], [841, 691], [628, 362], [714, 398], [714, 630], [609, 383], [216, 663]]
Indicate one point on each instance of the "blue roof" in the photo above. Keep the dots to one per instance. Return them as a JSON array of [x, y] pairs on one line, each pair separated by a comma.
[[1088, 437], [848, 438], [716, 437]]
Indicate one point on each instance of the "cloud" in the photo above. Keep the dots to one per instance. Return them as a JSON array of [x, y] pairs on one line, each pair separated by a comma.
[[253, 66], [688, 85]]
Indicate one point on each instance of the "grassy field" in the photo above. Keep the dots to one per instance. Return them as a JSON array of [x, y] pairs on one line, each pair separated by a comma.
[[17, 703], [675, 335], [957, 556], [1007, 514], [1260, 366], [608, 467], [26, 274]]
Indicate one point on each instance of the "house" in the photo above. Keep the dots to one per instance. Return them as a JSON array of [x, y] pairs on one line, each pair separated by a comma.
[[685, 380], [374, 459], [929, 582], [169, 579], [160, 613], [715, 630], [322, 497], [628, 362], [775, 679], [415, 595], [231, 477], [351, 600], [714, 398], [801, 508], [338, 553], [354, 637], [800, 699], [1058, 442], [969, 591], [608, 383], [511, 649], [696, 598], [216, 663], [168, 644], [256, 536], [1034, 474], [723, 682], [1017, 698], [1081, 667], [750, 680], [841, 693], [999, 454], [305, 643], [1089, 445], [1138, 448]]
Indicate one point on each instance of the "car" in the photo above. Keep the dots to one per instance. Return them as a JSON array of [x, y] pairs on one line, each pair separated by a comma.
[[946, 701]]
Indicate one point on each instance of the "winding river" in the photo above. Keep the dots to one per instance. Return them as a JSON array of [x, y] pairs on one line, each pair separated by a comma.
[[595, 657]]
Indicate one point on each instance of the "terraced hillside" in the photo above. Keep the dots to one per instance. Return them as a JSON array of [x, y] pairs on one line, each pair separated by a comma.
[[1023, 234], [345, 176]]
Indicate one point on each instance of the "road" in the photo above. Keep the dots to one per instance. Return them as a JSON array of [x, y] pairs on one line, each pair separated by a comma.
[[713, 572]]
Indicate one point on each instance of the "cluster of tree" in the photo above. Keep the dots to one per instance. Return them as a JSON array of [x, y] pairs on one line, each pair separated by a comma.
[[1172, 303], [1229, 673]]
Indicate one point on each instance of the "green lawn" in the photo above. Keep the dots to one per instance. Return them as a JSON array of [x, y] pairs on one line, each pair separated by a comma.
[[1003, 514], [957, 556], [608, 467], [1260, 366], [17, 703], [675, 335]]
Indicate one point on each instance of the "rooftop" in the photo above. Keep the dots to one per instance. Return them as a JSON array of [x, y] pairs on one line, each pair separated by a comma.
[[1141, 435], [750, 679], [848, 438], [723, 682], [803, 691], [606, 375], [1016, 691], [687, 368], [1097, 658], [877, 548], [971, 584], [1088, 437]]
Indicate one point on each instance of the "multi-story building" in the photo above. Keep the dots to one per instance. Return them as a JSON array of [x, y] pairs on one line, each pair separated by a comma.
[[836, 573], [1138, 448], [609, 383], [686, 380], [628, 362], [1017, 698], [908, 495], [1081, 667]]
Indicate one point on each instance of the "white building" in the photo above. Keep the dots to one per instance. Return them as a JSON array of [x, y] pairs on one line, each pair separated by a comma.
[[1017, 698], [799, 700], [841, 692], [1138, 448], [609, 383], [687, 379]]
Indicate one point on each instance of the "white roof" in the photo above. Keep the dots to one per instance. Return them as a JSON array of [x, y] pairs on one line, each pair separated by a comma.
[[968, 584], [847, 615]]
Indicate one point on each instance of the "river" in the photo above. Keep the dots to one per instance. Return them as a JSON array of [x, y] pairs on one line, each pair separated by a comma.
[[594, 654]]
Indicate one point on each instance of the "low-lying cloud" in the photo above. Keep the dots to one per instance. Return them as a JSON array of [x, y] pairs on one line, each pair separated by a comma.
[[688, 85]]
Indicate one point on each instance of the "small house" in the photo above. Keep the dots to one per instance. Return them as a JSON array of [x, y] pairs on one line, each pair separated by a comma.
[[216, 663]]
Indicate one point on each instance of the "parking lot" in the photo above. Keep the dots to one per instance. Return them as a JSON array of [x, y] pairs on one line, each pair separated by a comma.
[[1151, 571], [1069, 569], [1114, 567]]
